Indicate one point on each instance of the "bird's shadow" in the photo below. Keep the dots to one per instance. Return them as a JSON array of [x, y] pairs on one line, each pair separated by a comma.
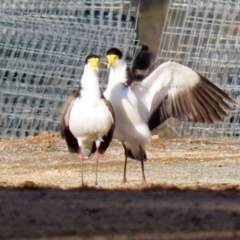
[[32, 212]]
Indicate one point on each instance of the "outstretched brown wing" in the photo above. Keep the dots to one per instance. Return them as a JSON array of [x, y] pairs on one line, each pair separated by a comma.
[[204, 102]]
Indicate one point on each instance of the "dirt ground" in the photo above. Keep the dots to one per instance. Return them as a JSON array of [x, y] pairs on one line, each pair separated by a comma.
[[193, 191]]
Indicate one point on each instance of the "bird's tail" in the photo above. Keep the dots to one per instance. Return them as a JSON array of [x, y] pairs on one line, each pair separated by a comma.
[[134, 151], [88, 148]]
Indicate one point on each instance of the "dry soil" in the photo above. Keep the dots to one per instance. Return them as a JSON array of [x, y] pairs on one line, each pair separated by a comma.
[[193, 191]]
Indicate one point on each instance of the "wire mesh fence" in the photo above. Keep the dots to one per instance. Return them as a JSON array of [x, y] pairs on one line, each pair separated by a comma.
[[43, 46], [205, 35]]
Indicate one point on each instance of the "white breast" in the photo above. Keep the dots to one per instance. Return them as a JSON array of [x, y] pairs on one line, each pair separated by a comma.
[[129, 124], [90, 118]]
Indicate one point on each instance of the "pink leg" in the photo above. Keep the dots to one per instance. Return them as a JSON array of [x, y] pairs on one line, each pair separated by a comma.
[[142, 165], [97, 159], [81, 157], [124, 180]]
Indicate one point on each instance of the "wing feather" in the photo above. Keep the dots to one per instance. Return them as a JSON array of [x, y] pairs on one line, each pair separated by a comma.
[[108, 137], [199, 109], [213, 109], [72, 142], [215, 103], [187, 109], [174, 90], [164, 111], [219, 99], [204, 109], [181, 114]]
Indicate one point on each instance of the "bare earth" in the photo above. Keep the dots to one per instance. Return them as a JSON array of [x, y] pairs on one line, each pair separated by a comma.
[[193, 191]]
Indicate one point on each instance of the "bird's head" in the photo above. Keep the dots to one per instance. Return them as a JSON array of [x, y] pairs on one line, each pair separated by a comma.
[[113, 54], [93, 61]]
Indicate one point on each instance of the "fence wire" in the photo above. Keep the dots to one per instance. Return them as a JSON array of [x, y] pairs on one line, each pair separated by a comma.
[[205, 35], [43, 46]]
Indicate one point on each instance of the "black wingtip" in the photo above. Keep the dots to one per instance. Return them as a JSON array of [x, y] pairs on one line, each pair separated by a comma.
[[71, 141], [108, 137]]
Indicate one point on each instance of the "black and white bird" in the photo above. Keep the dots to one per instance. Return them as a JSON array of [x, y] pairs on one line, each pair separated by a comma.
[[88, 121], [171, 90]]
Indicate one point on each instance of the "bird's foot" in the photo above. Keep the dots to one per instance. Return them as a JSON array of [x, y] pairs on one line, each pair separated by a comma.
[[124, 180], [144, 181], [96, 185]]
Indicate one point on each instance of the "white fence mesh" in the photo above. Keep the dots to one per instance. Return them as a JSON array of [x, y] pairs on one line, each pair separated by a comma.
[[205, 35], [43, 45]]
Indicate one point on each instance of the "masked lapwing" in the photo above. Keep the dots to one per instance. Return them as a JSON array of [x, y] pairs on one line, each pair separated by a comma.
[[171, 90], [87, 121]]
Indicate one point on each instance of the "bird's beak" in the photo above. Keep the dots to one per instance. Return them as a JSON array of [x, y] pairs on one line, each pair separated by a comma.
[[95, 63], [97, 69], [111, 60]]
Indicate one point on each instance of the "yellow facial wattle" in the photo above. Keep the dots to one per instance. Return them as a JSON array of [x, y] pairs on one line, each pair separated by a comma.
[[111, 60], [94, 62]]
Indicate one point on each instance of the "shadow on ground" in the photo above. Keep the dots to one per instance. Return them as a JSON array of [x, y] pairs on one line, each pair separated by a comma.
[[31, 212]]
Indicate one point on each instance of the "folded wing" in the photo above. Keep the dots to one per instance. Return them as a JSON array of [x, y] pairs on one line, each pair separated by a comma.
[[72, 142], [108, 137]]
